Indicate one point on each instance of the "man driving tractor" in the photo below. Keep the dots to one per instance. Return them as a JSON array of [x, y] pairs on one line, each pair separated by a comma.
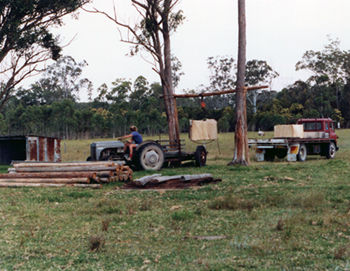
[[133, 142]]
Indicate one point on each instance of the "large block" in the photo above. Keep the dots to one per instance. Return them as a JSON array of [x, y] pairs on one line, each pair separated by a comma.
[[203, 130], [289, 130]]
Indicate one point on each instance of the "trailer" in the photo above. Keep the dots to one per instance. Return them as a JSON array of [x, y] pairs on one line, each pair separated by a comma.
[[308, 137], [149, 155]]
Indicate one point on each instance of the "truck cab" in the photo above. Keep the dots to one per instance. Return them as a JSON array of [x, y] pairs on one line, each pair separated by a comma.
[[319, 128]]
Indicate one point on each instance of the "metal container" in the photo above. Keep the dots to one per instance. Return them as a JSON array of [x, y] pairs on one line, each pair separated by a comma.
[[29, 148]]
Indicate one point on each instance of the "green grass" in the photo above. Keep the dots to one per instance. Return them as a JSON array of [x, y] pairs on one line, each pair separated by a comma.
[[275, 216]]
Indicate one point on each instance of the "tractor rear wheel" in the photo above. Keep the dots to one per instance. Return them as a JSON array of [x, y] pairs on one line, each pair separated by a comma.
[[150, 156]]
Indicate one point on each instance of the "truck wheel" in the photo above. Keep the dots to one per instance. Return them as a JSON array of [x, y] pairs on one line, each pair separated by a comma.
[[150, 156], [331, 151], [281, 153], [200, 156], [88, 159], [302, 153], [269, 155]]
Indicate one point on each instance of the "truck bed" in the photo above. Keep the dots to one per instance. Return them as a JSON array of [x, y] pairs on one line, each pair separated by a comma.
[[286, 140]]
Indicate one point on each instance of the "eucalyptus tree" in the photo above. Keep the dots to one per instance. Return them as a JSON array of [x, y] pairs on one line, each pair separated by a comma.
[[64, 77], [152, 34], [331, 65], [25, 39], [140, 93], [258, 71], [241, 151]]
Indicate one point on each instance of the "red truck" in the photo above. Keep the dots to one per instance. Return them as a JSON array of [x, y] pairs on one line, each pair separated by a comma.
[[312, 137]]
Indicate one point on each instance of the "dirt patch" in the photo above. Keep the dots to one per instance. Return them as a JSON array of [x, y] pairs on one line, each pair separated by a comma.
[[171, 184]]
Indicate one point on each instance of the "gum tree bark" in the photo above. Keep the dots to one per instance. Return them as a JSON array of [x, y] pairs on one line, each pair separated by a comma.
[[241, 152]]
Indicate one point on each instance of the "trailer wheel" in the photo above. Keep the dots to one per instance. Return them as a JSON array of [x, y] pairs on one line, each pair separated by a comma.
[[302, 153], [88, 159], [150, 156], [331, 151], [200, 156]]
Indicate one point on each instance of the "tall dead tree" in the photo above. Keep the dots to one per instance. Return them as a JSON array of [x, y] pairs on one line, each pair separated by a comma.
[[152, 33], [241, 152]]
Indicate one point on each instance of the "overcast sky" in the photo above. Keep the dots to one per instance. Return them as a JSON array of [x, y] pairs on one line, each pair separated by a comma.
[[278, 31]]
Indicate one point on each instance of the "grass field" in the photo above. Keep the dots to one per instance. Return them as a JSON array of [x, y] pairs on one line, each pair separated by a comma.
[[269, 216]]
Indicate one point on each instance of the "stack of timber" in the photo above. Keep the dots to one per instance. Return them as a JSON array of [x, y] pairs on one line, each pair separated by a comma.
[[76, 174], [157, 181]]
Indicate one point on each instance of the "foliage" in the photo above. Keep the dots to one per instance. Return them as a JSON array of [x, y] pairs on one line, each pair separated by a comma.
[[25, 39]]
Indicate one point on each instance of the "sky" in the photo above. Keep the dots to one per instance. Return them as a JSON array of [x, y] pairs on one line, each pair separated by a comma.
[[278, 31]]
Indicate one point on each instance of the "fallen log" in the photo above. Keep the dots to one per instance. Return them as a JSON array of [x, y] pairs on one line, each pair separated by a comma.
[[90, 175], [95, 186], [105, 174], [64, 164], [161, 179], [63, 169], [142, 181], [125, 177], [184, 178], [104, 180], [45, 180]]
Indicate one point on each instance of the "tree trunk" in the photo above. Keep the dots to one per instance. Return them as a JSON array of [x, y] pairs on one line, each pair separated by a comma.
[[63, 169], [167, 81], [241, 153], [45, 180], [52, 175]]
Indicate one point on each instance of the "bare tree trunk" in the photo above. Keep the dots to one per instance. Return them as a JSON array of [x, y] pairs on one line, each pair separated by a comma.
[[168, 88], [241, 153]]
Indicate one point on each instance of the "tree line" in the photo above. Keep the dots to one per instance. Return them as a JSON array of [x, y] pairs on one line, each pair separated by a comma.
[[51, 105]]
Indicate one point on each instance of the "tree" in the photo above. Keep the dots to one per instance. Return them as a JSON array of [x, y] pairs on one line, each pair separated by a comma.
[[222, 77], [140, 93], [119, 92], [241, 153], [330, 65], [222, 71], [258, 71], [152, 34], [25, 40], [64, 77]]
